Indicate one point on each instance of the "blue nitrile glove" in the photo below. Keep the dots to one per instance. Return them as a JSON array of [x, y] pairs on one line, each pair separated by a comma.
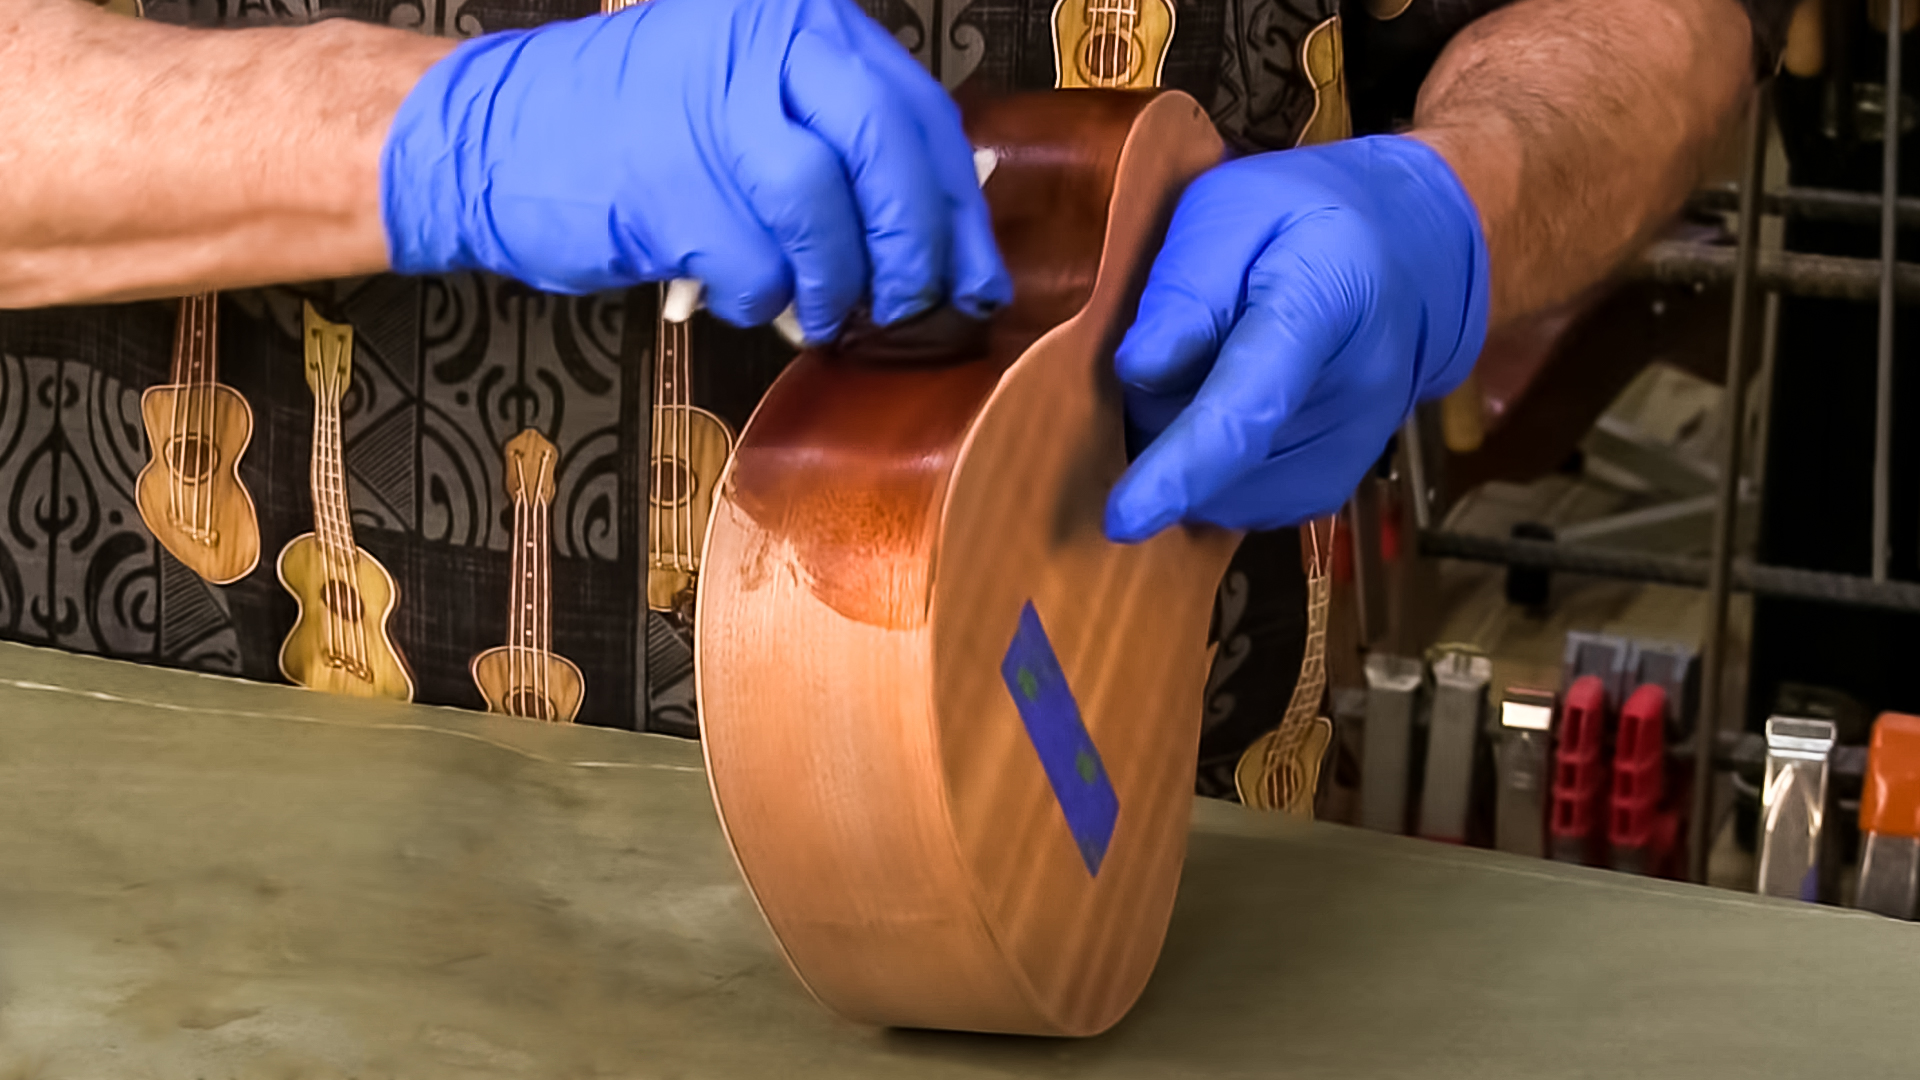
[[775, 150], [1304, 301]]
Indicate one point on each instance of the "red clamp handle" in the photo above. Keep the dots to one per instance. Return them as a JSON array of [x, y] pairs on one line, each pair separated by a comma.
[[1640, 777], [1579, 767]]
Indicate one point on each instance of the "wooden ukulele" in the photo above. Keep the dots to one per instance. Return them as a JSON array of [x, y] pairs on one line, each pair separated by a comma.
[[1281, 770], [190, 493], [340, 642], [690, 448], [951, 729], [1110, 44], [525, 677]]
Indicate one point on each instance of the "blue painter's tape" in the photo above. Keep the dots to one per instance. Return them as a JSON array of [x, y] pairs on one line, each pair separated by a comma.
[[1039, 688]]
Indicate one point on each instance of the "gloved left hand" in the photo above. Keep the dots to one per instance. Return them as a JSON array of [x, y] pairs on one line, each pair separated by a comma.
[[775, 150], [1303, 303]]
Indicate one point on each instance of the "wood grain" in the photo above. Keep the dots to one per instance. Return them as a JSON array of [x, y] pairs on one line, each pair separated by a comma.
[[504, 684], [877, 535]]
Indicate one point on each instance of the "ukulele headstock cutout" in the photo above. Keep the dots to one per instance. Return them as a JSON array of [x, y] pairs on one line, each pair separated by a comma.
[[529, 472], [329, 353]]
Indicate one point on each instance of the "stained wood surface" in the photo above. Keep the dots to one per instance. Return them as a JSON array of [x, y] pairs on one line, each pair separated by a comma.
[[189, 493], [878, 535]]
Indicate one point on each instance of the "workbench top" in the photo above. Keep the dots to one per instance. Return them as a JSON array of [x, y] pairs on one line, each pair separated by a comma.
[[213, 879]]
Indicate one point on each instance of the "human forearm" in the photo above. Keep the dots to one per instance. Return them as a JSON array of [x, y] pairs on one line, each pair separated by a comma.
[[1579, 128], [147, 160]]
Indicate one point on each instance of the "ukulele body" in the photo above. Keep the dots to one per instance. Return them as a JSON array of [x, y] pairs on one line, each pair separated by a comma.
[[1301, 781], [1104, 51], [690, 454], [224, 545], [1281, 770], [951, 729], [361, 606], [512, 684]]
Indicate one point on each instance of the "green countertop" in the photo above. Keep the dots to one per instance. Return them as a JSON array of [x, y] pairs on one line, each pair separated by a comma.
[[201, 878]]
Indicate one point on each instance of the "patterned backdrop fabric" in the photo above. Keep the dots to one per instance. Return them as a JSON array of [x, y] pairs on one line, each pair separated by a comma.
[[444, 370], [447, 368]]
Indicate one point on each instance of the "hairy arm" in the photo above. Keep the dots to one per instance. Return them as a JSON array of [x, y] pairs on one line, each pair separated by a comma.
[[149, 160], [1578, 129]]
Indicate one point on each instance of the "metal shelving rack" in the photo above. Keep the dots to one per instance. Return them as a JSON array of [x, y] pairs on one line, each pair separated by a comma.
[[1752, 274]]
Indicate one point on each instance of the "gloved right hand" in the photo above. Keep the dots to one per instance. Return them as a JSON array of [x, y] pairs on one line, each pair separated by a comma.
[[1303, 303], [775, 150]]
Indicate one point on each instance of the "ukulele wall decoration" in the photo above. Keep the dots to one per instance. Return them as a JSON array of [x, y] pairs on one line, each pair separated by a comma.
[[190, 493], [1281, 770], [950, 814], [525, 677], [1323, 61], [1110, 44], [690, 448], [340, 642]]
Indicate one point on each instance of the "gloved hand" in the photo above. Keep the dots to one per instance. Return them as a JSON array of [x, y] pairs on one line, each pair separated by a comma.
[[775, 150], [1304, 301]]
